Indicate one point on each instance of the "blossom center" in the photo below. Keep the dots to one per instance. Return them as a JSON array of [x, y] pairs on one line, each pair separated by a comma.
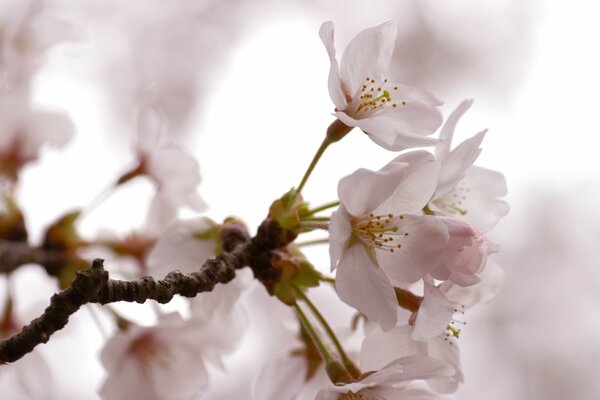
[[148, 350], [372, 97], [453, 201], [380, 232], [453, 330], [364, 394]]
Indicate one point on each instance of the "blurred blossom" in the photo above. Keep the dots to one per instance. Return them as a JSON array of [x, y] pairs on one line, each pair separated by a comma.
[[27, 32]]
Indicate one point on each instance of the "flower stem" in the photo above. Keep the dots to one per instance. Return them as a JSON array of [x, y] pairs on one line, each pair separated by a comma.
[[311, 225], [336, 371], [313, 163], [354, 371], [325, 219], [312, 242], [313, 334], [324, 207]]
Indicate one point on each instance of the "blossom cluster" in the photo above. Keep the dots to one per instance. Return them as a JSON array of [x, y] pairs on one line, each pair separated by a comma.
[[407, 243]]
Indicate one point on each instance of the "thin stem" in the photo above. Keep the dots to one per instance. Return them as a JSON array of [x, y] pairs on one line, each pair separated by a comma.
[[328, 279], [345, 359], [313, 163], [318, 219], [99, 199], [327, 357], [324, 207], [312, 242], [310, 225]]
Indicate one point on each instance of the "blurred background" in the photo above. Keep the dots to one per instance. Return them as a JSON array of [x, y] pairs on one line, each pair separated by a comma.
[[244, 85]]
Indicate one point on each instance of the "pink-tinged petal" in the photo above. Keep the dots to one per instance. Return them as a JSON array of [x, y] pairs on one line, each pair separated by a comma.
[[484, 208], [456, 163], [280, 379], [447, 131], [340, 230], [336, 91], [463, 279], [361, 284], [491, 278], [414, 191], [464, 255], [434, 314], [182, 247], [422, 240], [368, 54], [380, 348], [364, 190]]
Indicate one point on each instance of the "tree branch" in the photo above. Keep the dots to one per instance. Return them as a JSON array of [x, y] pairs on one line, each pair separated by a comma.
[[94, 286]]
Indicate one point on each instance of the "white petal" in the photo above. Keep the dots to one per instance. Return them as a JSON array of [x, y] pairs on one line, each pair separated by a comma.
[[403, 127], [448, 352], [180, 248], [405, 393], [280, 379], [420, 252], [410, 94], [361, 284], [434, 314], [414, 191], [409, 368], [380, 348], [368, 54], [456, 163], [448, 129], [484, 208], [364, 190], [336, 91], [340, 230], [491, 279], [34, 376]]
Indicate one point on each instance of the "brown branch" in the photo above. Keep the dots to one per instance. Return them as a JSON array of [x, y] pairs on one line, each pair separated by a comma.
[[94, 286]]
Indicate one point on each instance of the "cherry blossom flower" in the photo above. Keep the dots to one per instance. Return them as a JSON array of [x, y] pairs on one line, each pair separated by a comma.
[[393, 115], [173, 170], [168, 360], [390, 382], [378, 237], [465, 191], [381, 347], [435, 330], [27, 34], [158, 362], [441, 302]]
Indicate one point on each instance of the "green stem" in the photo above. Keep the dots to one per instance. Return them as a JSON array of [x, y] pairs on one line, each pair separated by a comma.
[[311, 225], [327, 357], [318, 219], [324, 207], [354, 371], [328, 279], [312, 242], [313, 163]]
